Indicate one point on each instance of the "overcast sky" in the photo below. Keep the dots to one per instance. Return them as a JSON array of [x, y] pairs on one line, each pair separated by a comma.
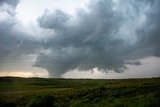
[[80, 38]]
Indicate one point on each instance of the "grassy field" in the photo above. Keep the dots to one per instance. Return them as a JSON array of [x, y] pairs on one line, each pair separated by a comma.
[[39, 92]]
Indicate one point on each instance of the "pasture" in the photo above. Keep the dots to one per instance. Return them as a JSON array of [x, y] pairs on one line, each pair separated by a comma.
[[48, 92]]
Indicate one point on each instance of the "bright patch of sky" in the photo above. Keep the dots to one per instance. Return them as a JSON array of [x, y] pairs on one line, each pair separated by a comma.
[[29, 10]]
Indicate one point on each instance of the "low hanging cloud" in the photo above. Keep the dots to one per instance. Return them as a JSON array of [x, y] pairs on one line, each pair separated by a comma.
[[9, 6], [107, 35], [15, 45], [56, 21]]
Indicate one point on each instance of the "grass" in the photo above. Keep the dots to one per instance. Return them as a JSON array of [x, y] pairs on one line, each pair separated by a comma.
[[39, 92]]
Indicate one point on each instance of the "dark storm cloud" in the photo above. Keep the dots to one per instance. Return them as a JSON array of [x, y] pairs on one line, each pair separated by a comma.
[[14, 44], [87, 43], [56, 21], [5, 28], [150, 32], [107, 35], [100, 37], [9, 2], [9, 6], [13, 47]]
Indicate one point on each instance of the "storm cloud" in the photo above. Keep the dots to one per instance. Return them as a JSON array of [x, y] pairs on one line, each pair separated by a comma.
[[106, 34], [15, 45], [9, 6]]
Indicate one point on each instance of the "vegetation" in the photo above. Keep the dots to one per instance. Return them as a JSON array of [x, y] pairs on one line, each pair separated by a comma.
[[40, 92]]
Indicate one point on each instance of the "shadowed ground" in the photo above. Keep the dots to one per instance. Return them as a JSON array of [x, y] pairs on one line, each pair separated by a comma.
[[39, 92]]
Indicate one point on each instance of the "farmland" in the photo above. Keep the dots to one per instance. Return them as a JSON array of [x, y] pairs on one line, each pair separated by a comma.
[[48, 92]]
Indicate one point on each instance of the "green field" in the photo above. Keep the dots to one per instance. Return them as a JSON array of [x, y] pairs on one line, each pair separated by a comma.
[[39, 92]]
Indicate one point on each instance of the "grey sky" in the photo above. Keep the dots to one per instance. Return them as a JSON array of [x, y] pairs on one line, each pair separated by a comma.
[[63, 37]]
